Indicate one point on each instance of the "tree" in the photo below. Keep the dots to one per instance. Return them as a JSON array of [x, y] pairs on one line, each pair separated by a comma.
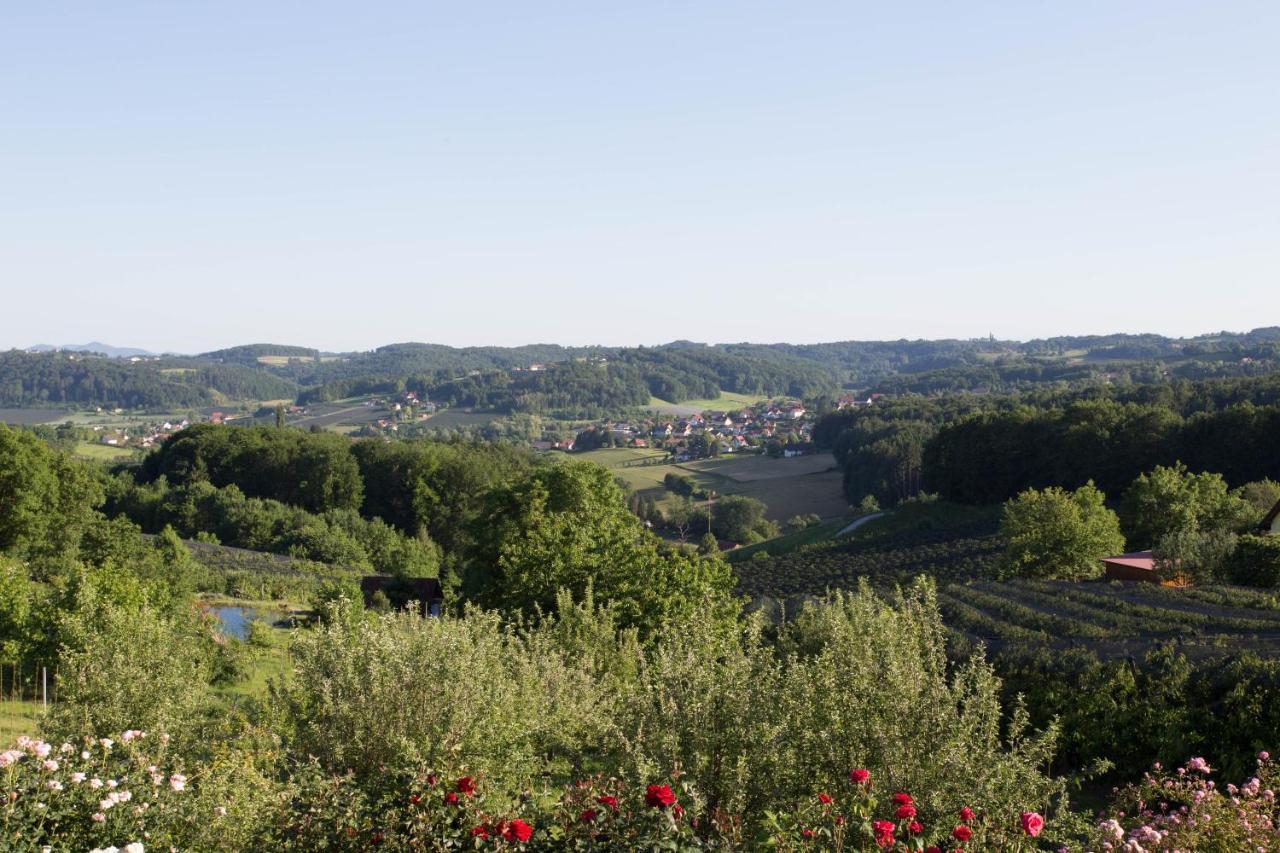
[[680, 516], [28, 487], [708, 544], [567, 527], [1170, 499], [1059, 534], [741, 519]]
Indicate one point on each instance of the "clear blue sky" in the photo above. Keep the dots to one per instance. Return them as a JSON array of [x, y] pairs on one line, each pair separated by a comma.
[[190, 175]]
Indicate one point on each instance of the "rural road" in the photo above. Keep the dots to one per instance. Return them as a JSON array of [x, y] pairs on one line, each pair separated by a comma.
[[858, 522]]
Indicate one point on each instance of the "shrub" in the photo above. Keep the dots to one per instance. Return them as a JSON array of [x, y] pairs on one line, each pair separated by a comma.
[[1186, 810]]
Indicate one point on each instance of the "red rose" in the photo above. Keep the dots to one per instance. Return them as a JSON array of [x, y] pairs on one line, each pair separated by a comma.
[[466, 785], [606, 800], [587, 816], [451, 798], [859, 776], [966, 814], [884, 833], [415, 799], [901, 799], [915, 828], [839, 820], [659, 796], [806, 832], [905, 812], [933, 848], [962, 833], [517, 830], [825, 799], [1032, 823], [431, 780], [677, 810], [480, 832]]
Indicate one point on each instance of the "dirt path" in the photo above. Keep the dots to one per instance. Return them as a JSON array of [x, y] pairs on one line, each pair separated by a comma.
[[858, 522]]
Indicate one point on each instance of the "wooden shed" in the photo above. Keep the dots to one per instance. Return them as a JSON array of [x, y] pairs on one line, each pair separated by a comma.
[[1135, 566]]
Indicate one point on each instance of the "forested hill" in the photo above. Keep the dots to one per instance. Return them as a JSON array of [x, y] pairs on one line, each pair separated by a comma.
[[588, 380], [84, 380]]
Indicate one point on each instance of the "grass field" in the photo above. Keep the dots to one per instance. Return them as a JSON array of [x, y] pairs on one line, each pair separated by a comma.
[[618, 457], [788, 487], [788, 542], [283, 360], [17, 718], [103, 452], [727, 401]]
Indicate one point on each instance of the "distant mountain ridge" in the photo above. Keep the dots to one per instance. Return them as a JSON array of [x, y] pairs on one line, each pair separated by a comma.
[[94, 346]]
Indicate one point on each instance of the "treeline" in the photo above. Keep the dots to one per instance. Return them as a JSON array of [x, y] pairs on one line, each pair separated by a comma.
[[77, 379], [992, 456], [225, 516], [425, 490], [986, 448]]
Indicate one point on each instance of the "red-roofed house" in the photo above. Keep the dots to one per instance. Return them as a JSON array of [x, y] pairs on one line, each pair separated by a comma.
[[1136, 566]]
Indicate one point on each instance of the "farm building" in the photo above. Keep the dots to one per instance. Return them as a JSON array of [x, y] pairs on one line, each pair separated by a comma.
[[1136, 566], [1271, 524]]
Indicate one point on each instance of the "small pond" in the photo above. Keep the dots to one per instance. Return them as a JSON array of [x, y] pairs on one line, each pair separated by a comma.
[[235, 620]]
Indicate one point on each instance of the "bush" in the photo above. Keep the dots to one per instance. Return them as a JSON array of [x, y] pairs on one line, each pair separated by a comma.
[[1256, 561], [129, 667]]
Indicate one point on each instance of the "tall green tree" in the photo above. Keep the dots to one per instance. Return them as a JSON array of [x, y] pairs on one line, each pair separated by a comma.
[[567, 527], [1172, 499], [1059, 534]]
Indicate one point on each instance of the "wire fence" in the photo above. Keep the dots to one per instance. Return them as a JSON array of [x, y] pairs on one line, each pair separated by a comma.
[[27, 683]]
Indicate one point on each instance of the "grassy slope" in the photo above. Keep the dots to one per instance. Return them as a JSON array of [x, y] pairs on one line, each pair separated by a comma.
[[102, 452], [17, 718]]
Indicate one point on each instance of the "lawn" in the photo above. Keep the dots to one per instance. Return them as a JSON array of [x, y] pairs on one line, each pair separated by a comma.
[[102, 452], [788, 487], [727, 401], [618, 457], [788, 542], [17, 718]]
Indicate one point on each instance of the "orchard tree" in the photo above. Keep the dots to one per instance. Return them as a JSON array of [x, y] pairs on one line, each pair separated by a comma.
[[1059, 534]]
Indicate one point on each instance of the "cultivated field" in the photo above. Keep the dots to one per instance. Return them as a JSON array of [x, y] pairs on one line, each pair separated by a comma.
[[455, 418], [788, 487], [958, 547], [33, 417]]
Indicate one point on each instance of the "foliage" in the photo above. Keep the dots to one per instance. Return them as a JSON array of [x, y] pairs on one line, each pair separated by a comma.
[[1173, 499], [1058, 534], [1186, 810], [567, 527], [1256, 561], [121, 666], [314, 471]]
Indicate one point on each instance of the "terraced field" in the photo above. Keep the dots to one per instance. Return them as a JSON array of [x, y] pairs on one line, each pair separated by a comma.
[[948, 543], [959, 549], [1111, 617]]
